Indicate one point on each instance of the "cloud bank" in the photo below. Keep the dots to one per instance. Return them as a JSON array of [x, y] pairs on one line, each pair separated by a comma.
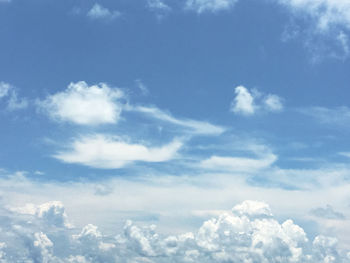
[[249, 233]]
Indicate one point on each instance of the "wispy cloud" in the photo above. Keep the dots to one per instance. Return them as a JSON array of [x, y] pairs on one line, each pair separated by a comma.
[[202, 6], [84, 105], [101, 151], [195, 127], [327, 213], [248, 102], [99, 12], [13, 102], [339, 116]]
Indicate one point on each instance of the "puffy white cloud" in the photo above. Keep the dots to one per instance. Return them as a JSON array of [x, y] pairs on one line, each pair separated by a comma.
[[250, 102], [100, 12], [201, 6], [194, 126], [84, 105], [248, 234], [101, 151]]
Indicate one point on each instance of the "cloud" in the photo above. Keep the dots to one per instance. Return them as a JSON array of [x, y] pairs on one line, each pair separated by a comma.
[[327, 213], [327, 13], [329, 24], [339, 116], [13, 102], [100, 151], [201, 6], [84, 105], [98, 12], [249, 233], [238, 164], [250, 102], [158, 5], [196, 127], [4, 89]]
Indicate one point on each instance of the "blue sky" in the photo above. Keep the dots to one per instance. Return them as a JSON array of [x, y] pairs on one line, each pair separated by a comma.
[[173, 112]]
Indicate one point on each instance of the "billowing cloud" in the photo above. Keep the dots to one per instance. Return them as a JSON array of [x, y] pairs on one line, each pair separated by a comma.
[[248, 102], [249, 233], [4, 89], [102, 151], [102, 13], [201, 6], [195, 127], [84, 105]]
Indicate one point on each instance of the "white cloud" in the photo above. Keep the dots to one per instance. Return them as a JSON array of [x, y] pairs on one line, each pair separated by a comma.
[[100, 12], [13, 102], [201, 6], [249, 233], [84, 105], [326, 12], [4, 89], [101, 151], [196, 127], [331, 116], [273, 103], [158, 5], [238, 164], [250, 102]]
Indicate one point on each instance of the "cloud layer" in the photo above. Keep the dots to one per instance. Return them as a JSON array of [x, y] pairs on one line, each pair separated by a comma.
[[249, 233]]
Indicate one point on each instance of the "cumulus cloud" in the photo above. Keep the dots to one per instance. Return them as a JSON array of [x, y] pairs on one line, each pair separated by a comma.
[[108, 152], [248, 102], [99, 12], [4, 89], [84, 105], [201, 6], [249, 233], [196, 127]]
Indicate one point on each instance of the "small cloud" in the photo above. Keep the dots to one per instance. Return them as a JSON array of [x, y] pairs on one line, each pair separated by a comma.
[[84, 105], [106, 152], [99, 12], [13, 102], [327, 213], [249, 102], [142, 87], [213, 6], [158, 5]]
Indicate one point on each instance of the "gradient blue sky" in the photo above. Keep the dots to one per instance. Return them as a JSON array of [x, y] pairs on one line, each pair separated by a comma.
[[133, 109]]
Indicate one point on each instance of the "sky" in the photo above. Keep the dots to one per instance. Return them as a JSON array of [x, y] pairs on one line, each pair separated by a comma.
[[174, 131]]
